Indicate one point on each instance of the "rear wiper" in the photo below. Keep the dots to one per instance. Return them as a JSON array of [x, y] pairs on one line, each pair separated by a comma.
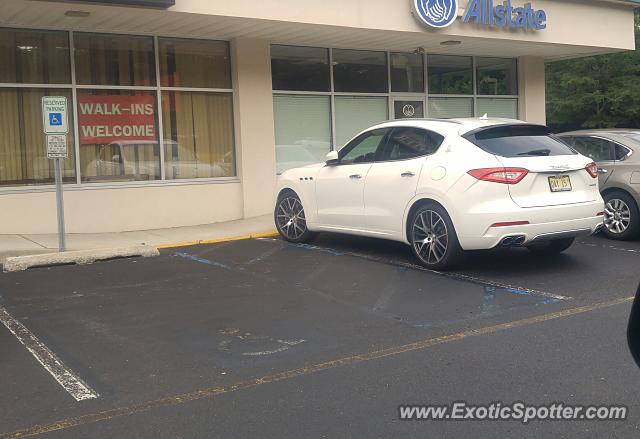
[[537, 152]]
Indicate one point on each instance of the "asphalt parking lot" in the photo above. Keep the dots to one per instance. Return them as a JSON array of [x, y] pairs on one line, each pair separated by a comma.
[[261, 338]]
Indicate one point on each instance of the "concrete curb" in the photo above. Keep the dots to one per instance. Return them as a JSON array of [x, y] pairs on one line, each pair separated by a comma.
[[218, 240], [20, 263]]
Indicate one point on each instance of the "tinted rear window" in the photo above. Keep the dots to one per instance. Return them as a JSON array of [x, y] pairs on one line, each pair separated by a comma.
[[519, 141]]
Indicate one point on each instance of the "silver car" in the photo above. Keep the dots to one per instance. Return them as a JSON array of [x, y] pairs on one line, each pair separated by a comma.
[[617, 153]]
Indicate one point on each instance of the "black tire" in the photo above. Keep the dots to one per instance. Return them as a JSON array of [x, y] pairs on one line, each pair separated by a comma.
[[621, 216], [290, 218], [551, 247], [433, 238]]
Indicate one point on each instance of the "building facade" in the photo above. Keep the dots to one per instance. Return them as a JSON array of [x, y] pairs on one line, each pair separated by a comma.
[[183, 112]]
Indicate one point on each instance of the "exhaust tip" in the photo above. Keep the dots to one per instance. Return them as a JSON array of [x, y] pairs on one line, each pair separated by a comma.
[[508, 241], [518, 240]]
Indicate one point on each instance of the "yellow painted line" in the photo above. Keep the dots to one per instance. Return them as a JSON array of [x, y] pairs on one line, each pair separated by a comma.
[[211, 392], [270, 234]]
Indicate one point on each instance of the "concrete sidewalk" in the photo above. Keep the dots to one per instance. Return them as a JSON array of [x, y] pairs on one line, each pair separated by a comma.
[[19, 245]]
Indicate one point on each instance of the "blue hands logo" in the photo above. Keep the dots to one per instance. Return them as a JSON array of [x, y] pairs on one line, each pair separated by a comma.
[[436, 13]]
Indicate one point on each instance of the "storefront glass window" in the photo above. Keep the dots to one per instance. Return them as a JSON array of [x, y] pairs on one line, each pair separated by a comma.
[[447, 108], [194, 63], [450, 74], [407, 72], [360, 71], [118, 135], [198, 135], [356, 113], [23, 150], [497, 76], [303, 130], [498, 107], [114, 60], [34, 57], [300, 68]]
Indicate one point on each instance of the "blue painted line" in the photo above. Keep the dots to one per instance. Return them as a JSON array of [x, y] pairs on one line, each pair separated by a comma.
[[488, 301], [203, 261]]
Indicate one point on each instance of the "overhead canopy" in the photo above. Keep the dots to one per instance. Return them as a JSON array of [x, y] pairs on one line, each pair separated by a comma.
[[573, 29]]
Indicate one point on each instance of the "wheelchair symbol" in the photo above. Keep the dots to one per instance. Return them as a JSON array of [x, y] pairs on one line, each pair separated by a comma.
[[55, 119]]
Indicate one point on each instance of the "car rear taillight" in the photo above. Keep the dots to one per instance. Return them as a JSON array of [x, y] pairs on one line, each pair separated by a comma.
[[499, 175], [592, 169]]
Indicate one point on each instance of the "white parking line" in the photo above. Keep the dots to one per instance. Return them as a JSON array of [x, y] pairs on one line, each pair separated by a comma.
[[62, 374]]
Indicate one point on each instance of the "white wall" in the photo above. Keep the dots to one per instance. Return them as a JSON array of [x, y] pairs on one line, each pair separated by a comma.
[[531, 81], [121, 209]]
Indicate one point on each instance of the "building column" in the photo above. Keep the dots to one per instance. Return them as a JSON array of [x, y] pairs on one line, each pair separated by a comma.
[[531, 79], [255, 138]]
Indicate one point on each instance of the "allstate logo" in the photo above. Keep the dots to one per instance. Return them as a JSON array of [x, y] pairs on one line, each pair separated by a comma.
[[436, 13]]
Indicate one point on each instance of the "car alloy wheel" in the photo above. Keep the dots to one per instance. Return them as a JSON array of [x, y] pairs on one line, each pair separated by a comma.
[[290, 218], [430, 237], [617, 216]]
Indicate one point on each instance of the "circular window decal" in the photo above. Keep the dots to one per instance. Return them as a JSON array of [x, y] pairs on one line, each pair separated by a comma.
[[409, 110]]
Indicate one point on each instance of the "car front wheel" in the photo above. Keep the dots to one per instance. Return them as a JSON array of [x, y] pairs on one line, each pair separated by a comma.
[[433, 238], [621, 216], [290, 218]]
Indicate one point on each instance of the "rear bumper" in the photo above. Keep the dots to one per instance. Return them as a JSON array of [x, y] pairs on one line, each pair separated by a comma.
[[545, 224]]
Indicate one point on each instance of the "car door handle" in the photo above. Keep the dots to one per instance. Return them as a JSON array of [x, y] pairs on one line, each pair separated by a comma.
[[408, 174], [355, 176], [602, 171]]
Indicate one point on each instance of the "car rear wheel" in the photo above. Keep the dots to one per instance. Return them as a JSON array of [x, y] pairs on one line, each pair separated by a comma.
[[290, 219], [551, 247], [621, 216], [433, 238]]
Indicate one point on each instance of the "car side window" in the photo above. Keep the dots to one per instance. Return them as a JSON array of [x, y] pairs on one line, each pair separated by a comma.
[[597, 149], [363, 148], [621, 152], [406, 143]]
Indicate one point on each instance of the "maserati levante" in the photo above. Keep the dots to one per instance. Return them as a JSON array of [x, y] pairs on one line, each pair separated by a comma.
[[446, 186]]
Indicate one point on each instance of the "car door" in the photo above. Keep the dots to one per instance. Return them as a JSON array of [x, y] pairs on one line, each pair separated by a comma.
[[340, 186], [600, 150], [392, 181]]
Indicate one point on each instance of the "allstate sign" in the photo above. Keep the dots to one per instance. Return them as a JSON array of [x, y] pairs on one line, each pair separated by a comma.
[[442, 13], [436, 13]]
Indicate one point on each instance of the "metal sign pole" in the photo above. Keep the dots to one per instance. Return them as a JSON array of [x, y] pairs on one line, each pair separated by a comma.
[[60, 204], [55, 126]]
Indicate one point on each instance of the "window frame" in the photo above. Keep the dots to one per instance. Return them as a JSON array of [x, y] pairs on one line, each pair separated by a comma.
[[391, 95], [74, 87]]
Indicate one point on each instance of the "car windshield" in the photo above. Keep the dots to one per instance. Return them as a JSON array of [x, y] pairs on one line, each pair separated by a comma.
[[519, 141]]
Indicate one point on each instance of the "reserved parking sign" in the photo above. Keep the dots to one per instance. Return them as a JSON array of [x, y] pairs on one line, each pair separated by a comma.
[[54, 115]]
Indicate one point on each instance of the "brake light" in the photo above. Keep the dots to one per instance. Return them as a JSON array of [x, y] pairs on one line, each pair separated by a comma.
[[510, 223], [592, 169], [499, 175]]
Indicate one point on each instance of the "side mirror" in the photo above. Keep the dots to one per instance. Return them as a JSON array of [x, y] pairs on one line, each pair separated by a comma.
[[331, 158], [633, 330]]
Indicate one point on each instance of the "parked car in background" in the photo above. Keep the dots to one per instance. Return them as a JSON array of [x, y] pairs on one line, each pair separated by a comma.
[[445, 186], [617, 153]]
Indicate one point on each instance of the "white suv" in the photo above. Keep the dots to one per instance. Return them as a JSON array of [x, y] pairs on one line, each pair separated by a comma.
[[444, 186]]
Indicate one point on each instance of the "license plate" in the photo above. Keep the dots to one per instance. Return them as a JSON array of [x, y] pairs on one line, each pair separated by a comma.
[[561, 183]]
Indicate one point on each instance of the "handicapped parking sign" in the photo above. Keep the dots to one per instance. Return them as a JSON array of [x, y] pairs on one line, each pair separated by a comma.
[[55, 119], [54, 115]]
